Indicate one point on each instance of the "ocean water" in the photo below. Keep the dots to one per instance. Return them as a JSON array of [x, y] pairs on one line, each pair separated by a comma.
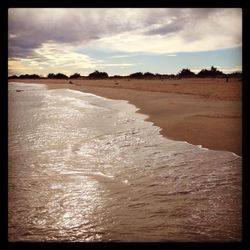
[[84, 168]]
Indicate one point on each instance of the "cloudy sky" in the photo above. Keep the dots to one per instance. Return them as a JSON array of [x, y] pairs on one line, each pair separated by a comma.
[[123, 41]]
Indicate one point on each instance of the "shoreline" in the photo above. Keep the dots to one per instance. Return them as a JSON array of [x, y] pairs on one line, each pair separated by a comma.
[[206, 112]]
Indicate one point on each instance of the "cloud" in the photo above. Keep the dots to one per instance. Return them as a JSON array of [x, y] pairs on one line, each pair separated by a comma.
[[53, 58], [49, 40], [30, 28], [224, 69], [122, 56], [115, 64], [189, 31], [172, 26], [137, 43]]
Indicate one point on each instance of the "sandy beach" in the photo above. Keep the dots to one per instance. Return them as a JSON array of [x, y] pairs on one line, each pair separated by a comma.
[[205, 112]]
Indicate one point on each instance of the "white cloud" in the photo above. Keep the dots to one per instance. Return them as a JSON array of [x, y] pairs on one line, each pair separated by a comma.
[[237, 68], [58, 55], [115, 64], [121, 56], [53, 58]]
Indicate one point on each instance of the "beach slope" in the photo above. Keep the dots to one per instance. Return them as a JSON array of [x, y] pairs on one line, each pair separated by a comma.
[[205, 112]]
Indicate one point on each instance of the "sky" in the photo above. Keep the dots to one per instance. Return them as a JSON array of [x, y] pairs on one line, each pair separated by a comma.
[[123, 41]]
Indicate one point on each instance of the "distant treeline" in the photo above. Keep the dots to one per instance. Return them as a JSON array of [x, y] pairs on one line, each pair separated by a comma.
[[184, 73]]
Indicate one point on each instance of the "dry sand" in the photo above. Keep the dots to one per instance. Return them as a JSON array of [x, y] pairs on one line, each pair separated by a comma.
[[205, 112]]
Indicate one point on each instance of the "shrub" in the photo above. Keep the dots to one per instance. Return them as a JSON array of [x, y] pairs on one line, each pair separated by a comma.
[[97, 74]]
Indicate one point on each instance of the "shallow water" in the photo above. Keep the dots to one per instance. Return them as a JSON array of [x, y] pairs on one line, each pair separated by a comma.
[[86, 168]]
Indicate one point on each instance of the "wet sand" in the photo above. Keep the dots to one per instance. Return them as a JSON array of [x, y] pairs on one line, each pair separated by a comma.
[[205, 112]]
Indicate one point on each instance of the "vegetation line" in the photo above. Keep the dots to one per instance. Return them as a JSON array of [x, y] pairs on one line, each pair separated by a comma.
[[213, 72]]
